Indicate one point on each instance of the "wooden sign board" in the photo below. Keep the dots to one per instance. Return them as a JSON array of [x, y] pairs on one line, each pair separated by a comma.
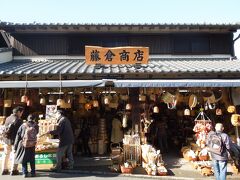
[[116, 55]]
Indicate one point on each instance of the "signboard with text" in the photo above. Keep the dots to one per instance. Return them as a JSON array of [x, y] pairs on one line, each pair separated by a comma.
[[116, 55]]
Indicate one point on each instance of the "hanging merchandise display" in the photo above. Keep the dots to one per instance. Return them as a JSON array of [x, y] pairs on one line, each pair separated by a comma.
[[124, 120], [231, 109], [95, 103], [187, 112], [60, 102], [203, 125], [88, 106], [43, 101], [219, 112], [155, 109], [128, 105], [235, 119], [192, 102], [24, 98]]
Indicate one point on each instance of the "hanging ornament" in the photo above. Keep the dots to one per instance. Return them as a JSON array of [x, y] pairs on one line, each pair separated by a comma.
[[106, 100], [235, 119], [128, 106], [95, 103], [24, 98], [29, 102], [60, 102], [43, 101], [218, 112], [155, 109], [124, 121], [187, 112], [231, 109], [88, 106]]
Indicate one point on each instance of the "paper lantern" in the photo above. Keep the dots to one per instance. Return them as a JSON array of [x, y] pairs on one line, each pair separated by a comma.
[[24, 99], [155, 109], [231, 109]]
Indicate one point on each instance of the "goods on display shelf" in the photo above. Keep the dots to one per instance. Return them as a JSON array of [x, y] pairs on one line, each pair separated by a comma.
[[46, 144], [132, 148], [152, 161], [46, 125], [204, 167]]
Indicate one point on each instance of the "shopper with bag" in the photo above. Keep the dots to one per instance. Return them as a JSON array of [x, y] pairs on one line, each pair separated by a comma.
[[24, 145], [11, 126], [218, 145]]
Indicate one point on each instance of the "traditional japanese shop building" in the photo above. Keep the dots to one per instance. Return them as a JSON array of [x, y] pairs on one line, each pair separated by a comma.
[[139, 58]]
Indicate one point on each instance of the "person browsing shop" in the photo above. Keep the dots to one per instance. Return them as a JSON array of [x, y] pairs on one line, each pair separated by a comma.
[[218, 144], [12, 124], [66, 140], [25, 143]]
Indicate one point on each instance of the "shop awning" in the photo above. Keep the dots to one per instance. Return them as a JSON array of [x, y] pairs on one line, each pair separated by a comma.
[[52, 84], [124, 83], [178, 83]]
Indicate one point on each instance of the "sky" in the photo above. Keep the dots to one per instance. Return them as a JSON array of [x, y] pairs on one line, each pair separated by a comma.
[[122, 11]]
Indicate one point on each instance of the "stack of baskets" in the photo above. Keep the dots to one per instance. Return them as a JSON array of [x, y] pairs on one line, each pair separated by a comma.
[[102, 135]]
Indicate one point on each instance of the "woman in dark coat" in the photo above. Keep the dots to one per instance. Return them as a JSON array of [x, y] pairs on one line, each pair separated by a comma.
[[23, 154]]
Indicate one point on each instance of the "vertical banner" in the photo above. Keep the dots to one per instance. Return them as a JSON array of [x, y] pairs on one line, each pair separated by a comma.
[[116, 55]]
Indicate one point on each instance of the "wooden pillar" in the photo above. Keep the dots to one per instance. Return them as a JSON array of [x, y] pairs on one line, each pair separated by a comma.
[[4, 108], [135, 112]]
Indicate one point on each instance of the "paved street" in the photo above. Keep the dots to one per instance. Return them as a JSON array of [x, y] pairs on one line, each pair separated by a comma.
[[76, 175]]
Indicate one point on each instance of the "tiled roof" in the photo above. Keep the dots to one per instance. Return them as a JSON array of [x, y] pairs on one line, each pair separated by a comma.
[[155, 65], [131, 27], [2, 23]]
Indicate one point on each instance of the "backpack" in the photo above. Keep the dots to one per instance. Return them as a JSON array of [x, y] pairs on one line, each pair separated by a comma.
[[215, 144], [30, 136], [8, 130]]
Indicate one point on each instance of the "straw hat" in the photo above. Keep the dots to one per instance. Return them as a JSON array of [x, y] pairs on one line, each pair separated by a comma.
[[192, 102], [168, 97], [209, 97]]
